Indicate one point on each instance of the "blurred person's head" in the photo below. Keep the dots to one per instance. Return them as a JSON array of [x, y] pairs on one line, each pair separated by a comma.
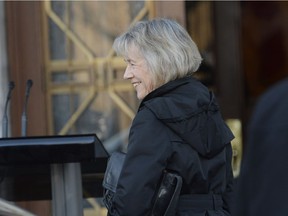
[[157, 51]]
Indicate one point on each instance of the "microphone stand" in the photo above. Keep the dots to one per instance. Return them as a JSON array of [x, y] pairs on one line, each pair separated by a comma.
[[24, 116], [5, 117]]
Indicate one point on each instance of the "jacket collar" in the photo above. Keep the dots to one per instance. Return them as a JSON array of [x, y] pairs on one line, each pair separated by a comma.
[[167, 87]]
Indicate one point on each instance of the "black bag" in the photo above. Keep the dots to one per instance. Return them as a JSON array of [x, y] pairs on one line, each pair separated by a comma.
[[166, 198], [111, 176]]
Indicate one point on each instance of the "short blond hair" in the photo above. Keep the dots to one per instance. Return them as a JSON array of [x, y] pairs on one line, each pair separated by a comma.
[[168, 49]]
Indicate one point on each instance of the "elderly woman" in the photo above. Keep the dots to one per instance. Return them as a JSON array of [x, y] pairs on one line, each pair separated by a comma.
[[178, 126]]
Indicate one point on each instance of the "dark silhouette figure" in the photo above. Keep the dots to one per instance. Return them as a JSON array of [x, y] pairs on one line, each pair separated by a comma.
[[262, 187]]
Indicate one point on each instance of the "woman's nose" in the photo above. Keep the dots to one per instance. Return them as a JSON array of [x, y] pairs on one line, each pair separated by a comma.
[[127, 73]]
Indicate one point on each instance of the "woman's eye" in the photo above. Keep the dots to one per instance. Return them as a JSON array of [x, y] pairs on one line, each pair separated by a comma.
[[131, 64]]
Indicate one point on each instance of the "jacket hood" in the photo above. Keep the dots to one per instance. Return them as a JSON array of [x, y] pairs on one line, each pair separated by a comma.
[[190, 111]]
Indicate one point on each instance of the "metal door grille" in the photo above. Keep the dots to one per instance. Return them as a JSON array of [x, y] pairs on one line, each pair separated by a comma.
[[84, 87]]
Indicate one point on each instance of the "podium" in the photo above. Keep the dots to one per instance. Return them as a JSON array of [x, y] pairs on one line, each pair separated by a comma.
[[54, 167]]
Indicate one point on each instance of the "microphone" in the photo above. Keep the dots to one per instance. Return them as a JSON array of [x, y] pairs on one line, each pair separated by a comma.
[[29, 84], [5, 117]]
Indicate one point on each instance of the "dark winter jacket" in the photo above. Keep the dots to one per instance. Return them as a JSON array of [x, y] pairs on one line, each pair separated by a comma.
[[177, 127]]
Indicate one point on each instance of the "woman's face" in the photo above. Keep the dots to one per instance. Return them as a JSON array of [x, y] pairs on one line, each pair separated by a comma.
[[138, 73]]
